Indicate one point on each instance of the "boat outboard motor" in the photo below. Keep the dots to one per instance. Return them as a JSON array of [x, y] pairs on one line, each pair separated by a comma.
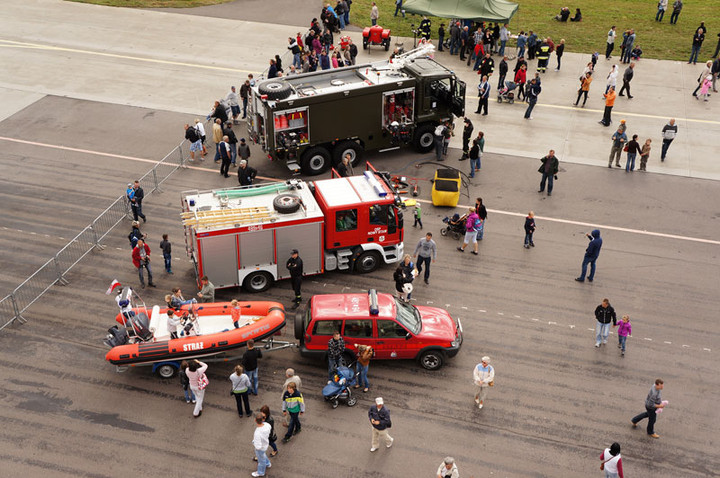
[[140, 326], [115, 336]]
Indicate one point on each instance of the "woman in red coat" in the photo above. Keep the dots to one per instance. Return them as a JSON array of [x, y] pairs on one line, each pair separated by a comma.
[[520, 78]]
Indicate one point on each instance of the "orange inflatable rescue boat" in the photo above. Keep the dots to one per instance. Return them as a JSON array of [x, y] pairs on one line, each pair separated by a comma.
[[202, 330]]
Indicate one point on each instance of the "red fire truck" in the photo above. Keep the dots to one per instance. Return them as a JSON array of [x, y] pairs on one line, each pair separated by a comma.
[[243, 236]]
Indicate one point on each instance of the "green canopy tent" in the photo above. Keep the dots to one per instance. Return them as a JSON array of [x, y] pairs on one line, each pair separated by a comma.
[[477, 10]]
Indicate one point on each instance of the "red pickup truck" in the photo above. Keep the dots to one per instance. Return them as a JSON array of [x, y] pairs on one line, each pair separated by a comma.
[[394, 329]]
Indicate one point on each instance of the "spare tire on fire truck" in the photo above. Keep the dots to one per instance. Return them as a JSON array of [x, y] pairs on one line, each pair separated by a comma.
[[275, 89], [286, 203]]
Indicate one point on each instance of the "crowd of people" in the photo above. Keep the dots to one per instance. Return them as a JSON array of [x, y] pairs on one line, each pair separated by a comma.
[[475, 44]]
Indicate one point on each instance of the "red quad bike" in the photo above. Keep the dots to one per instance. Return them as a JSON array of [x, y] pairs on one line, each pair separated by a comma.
[[376, 35]]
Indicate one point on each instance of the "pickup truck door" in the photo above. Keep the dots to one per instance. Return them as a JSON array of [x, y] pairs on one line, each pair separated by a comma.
[[392, 342]]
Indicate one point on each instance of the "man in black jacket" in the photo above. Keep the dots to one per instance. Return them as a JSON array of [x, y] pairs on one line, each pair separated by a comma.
[[604, 314], [295, 266], [250, 364], [549, 170], [627, 78], [232, 141], [380, 421], [136, 201], [246, 174], [467, 134], [502, 69]]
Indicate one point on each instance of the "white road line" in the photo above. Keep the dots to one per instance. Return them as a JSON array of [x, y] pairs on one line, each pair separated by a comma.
[[596, 226], [38, 46], [552, 323], [666, 342], [500, 313], [648, 339]]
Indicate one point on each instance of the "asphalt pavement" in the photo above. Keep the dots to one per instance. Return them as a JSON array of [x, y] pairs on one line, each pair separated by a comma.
[[558, 401]]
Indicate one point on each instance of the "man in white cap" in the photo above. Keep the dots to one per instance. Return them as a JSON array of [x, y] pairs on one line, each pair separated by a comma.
[[380, 422], [484, 377]]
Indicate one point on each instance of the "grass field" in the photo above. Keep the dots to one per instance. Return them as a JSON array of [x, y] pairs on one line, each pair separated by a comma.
[[658, 40]]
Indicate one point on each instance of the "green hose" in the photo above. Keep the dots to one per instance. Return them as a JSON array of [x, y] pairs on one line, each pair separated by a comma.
[[247, 192]]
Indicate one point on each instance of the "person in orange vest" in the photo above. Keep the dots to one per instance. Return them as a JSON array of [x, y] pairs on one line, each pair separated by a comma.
[[609, 103]]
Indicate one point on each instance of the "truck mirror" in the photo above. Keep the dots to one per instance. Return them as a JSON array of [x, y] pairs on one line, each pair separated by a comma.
[[408, 336]]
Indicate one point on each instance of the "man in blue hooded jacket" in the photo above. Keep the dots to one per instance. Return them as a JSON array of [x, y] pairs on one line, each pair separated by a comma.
[[591, 254]]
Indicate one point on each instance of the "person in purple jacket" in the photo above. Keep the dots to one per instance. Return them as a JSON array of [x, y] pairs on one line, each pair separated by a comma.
[[472, 225], [624, 331]]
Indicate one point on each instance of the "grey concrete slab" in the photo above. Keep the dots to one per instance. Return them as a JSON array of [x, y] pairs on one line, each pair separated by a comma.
[[521, 307], [281, 11], [558, 400]]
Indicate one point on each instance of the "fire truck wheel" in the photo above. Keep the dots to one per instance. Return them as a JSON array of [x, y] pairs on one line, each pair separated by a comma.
[[315, 161], [432, 359], [299, 325], [365, 44], [367, 262], [387, 44], [351, 147], [424, 139], [258, 282], [286, 203], [275, 89]]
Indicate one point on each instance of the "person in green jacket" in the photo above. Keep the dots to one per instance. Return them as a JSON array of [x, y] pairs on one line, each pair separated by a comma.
[[294, 405], [418, 216]]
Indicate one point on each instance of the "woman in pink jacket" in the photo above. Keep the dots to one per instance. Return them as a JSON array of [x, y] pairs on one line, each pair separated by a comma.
[[624, 330], [194, 372]]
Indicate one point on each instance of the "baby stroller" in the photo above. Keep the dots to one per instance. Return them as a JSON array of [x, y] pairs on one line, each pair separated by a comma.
[[455, 226], [507, 93], [339, 387]]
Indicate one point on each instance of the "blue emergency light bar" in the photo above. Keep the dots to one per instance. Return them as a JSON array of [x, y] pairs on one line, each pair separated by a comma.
[[372, 180]]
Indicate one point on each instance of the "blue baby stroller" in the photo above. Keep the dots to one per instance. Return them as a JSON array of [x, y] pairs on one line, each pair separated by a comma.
[[339, 387]]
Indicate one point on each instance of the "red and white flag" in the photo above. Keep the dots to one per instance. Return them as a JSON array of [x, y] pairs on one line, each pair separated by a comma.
[[114, 285]]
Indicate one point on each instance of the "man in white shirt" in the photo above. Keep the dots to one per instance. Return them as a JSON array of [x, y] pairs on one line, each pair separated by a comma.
[[448, 469], [261, 441], [610, 42]]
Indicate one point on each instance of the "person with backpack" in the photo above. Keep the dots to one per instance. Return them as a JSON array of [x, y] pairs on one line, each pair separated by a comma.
[[472, 224], [193, 137], [135, 234]]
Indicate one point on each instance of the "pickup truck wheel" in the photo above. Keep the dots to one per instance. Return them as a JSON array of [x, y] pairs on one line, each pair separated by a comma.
[[299, 329], [387, 44], [432, 359], [275, 89], [351, 147], [166, 371], [315, 161], [286, 203], [424, 138], [367, 262], [258, 281]]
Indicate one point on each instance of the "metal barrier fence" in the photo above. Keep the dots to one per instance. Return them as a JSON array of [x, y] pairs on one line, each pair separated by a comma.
[[53, 271]]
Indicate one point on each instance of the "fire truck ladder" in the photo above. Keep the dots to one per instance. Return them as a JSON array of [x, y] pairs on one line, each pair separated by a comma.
[[227, 217]]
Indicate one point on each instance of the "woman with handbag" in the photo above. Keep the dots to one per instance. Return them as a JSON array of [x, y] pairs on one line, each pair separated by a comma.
[[240, 389], [265, 410], [198, 382], [365, 353], [484, 377], [612, 461]]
